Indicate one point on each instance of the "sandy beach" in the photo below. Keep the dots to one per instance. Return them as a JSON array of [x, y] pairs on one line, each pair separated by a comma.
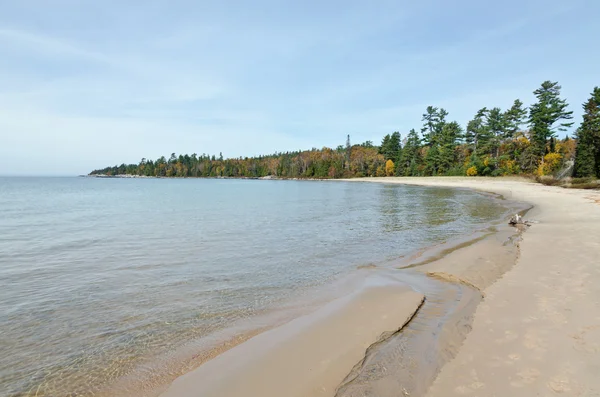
[[535, 332]]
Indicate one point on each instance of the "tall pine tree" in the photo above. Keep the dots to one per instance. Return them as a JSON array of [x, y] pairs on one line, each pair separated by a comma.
[[450, 134], [433, 122], [348, 153], [391, 146], [514, 118], [496, 127], [546, 116], [587, 157], [476, 132], [410, 155]]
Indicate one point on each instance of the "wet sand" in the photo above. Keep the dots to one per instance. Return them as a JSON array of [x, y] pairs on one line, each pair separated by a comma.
[[310, 355], [453, 279]]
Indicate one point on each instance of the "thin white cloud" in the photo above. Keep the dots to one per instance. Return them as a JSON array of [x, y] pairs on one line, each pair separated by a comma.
[[48, 46]]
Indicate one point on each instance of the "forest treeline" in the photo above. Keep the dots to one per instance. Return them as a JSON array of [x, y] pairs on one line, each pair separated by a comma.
[[518, 140]]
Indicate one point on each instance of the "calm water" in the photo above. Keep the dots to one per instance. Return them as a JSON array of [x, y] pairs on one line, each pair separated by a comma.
[[100, 277]]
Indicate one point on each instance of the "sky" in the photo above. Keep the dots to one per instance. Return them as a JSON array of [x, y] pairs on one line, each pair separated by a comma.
[[87, 84]]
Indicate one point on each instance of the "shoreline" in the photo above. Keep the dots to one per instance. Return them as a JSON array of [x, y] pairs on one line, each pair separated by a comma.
[[537, 332], [156, 375], [437, 334], [447, 347], [480, 264]]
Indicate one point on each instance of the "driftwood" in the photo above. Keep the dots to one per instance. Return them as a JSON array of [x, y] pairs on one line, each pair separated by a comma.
[[517, 219]]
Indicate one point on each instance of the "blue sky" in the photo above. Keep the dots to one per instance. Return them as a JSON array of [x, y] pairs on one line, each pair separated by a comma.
[[85, 84]]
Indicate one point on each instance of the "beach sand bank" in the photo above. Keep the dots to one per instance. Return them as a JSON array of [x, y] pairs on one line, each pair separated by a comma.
[[536, 332]]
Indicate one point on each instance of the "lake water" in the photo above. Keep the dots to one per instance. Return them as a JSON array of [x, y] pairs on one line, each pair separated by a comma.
[[105, 281]]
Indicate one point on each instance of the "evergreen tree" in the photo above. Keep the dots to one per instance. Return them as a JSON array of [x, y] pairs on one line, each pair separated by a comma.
[[433, 122], [450, 134], [545, 116], [385, 142], [432, 160], [348, 152], [395, 146], [587, 157], [476, 132], [585, 162], [496, 126], [514, 118], [391, 146], [409, 156]]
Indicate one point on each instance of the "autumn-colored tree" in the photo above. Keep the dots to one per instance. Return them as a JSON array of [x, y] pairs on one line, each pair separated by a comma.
[[550, 165], [389, 168]]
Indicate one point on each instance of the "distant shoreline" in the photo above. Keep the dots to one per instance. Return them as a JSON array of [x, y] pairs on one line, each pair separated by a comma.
[[130, 176], [569, 183]]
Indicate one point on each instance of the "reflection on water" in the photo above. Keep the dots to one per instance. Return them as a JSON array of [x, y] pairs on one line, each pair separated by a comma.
[[439, 206], [103, 279], [392, 208]]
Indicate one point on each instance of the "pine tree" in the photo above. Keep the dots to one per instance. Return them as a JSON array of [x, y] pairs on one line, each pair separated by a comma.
[[476, 131], [448, 138], [587, 157], [495, 127], [585, 162], [395, 146], [348, 152], [434, 120], [432, 160], [409, 157], [514, 118], [385, 142], [391, 146], [545, 116]]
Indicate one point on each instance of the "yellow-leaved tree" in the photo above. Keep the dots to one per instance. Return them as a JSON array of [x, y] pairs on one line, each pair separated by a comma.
[[389, 168], [472, 171], [551, 164]]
